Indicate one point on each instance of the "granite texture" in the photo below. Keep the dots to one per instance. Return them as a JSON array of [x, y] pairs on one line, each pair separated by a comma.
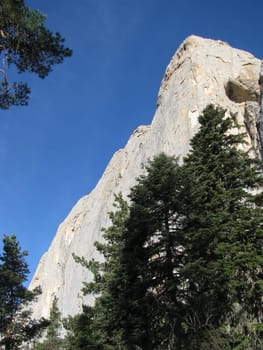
[[202, 71]]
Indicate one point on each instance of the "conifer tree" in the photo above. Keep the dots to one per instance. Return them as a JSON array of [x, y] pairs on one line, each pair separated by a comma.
[[53, 338], [151, 295], [215, 234], [103, 328], [183, 264], [223, 235], [80, 330], [29, 46], [16, 324]]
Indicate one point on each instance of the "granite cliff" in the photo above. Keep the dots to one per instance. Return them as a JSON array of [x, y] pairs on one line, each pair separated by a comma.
[[202, 71]]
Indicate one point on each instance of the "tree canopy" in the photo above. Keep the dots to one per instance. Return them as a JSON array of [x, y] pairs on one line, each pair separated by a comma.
[[104, 329], [183, 260], [16, 324], [29, 46], [151, 253], [223, 236], [53, 338]]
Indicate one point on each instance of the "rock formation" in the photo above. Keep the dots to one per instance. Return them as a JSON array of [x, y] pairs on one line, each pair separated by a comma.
[[202, 71]]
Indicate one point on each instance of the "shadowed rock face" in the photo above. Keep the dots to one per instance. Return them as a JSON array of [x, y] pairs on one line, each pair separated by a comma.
[[202, 71], [240, 91]]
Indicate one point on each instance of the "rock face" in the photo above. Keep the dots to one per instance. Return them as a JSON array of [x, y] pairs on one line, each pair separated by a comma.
[[202, 71]]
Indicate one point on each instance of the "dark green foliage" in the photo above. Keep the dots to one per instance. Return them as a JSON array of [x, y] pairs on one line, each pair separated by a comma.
[[27, 44], [55, 320], [16, 325], [13, 272], [52, 338], [13, 94], [151, 257], [223, 232], [80, 331], [194, 281], [110, 249], [183, 264], [103, 329]]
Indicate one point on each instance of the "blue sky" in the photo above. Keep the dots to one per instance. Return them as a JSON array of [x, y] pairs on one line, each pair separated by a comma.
[[55, 150]]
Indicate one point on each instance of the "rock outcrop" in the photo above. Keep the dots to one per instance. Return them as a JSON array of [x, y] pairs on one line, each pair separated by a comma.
[[202, 71]]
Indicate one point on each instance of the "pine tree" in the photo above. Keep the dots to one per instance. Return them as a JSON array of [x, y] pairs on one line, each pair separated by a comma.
[[29, 46], [194, 281], [151, 299], [16, 325], [103, 328], [183, 264], [53, 338], [223, 234], [80, 329]]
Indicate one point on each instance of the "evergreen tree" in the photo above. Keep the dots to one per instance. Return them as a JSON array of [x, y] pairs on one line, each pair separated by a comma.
[[16, 325], [80, 331], [103, 330], [52, 338], [223, 236], [204, 264], [183, 264], [28, 45], [150, 287]]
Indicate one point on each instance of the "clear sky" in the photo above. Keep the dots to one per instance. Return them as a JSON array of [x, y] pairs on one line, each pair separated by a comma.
[[55, 150]]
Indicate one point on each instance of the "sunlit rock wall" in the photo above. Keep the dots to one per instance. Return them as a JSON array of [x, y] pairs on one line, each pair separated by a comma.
[[202, 71]]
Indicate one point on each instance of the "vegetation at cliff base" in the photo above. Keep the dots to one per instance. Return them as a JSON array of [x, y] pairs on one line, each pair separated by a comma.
[[16, 324], [183, 260], [53, 338]]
